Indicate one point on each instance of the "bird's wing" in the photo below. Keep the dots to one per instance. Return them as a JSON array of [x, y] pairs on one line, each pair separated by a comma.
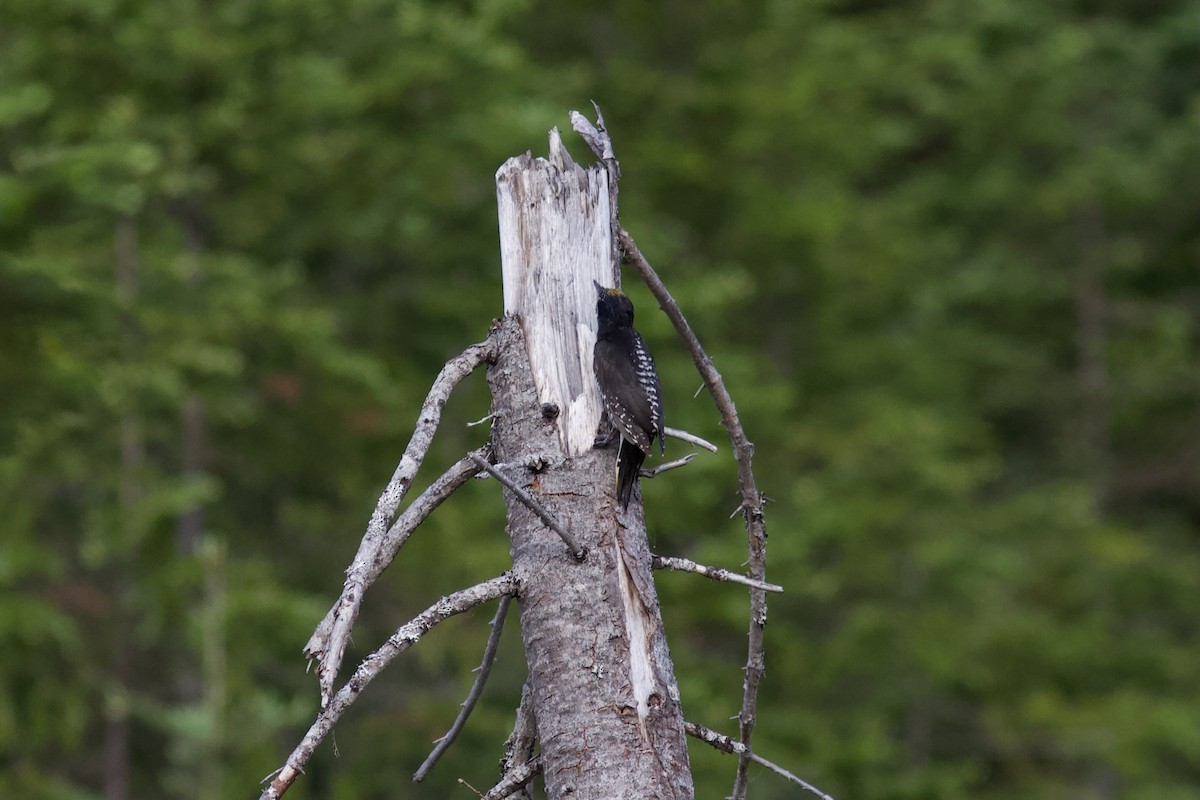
[[628, 406]]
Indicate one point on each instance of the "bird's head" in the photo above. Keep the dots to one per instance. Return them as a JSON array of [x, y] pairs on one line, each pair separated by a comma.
[[613, 308]]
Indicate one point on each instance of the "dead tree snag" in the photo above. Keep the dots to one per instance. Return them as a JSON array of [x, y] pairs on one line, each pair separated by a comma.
[[600, 716]]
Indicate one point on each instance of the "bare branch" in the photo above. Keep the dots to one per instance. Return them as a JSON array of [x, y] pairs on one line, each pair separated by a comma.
[[332, 634], [596, 137], [515, 780], [405, 637], [728, 745], [329, 649], [468, 705], [715, 573], [667, 467], [752, 501], [690, 438], [534, 506]]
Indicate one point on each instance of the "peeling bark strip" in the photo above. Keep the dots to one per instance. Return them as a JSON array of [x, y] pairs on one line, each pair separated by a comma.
[[574, 618]]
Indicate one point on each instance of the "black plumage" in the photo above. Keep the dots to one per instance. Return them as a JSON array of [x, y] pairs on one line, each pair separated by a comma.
[[629, 386]]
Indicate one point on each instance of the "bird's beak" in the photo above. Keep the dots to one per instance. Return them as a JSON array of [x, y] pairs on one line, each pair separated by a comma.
[[600, 290]]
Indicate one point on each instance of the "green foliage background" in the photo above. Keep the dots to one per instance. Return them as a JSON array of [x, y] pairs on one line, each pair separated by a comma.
[[944, 253]]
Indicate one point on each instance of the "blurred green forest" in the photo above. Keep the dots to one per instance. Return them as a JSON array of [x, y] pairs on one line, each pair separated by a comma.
[[945, 254]]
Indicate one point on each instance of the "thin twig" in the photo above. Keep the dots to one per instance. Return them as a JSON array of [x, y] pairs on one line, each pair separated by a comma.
[[405, 637], [329, 648], [537, 508], [715, 573], [468, 705], [333, 632], [728, 745], [752, 502], [515, 780], [690, 438], [670, 465]]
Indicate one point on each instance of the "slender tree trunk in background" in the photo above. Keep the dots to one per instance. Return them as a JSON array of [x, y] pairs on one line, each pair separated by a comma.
[[129, 494], [605, 701], [202, 678], [213, 668], [189, 533], [189, 526], [116, 725]]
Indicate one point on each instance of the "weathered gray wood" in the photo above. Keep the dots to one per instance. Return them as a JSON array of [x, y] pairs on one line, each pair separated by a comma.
[[555, 239]]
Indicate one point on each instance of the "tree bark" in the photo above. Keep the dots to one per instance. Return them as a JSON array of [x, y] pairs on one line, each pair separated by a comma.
[[603, 690]]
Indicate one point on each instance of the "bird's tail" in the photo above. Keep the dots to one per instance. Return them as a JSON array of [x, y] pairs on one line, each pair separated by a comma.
[[629, 464]]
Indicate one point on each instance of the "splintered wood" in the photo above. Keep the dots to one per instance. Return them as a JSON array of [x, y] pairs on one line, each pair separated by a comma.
[[555, 239]]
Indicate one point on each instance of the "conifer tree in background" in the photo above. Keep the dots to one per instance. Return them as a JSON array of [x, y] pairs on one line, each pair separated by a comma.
[[961, 231]]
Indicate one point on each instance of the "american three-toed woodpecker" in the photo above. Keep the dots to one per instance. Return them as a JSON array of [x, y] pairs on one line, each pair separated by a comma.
[[629, 386]]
